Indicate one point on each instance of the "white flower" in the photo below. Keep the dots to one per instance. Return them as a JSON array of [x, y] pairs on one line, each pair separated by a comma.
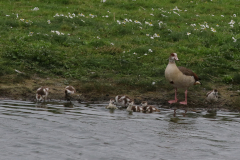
[[135, 53], [30, 34], [137, 22], [234, 15], [151, 14], [58, 33], [193, 25], [149, 50], [197, 15], [48, 21], [152, 37], [81, 15], [222, 15], [188, 33], [153, 83], [234, 40], [118, 22], [145, 54], [22, 20], [103, 1], [217, 25], [147, 34], [156, 35], [35, 9], [7, 15], [98, 37], [231, 22], [213, 30], [176, 8], [112, 43], [52, 31]]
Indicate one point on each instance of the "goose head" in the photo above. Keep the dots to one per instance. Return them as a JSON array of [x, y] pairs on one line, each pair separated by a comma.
[[173, 57], [144, 103]]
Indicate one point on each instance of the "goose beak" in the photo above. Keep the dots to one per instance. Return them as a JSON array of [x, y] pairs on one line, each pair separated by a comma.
[[176, 58], [197, 82]]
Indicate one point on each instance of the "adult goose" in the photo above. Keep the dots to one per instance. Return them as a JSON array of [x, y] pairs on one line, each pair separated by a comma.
[[179, 77]]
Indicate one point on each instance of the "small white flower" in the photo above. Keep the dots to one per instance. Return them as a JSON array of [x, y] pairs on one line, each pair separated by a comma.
[[147, 34], [222, 15], [153, 83], [152, 14], [112, 43], [98, 37], [213, 30], [48, 21], [7, 15], [193, 25], [52, 31], [197, 15], [234, 15], [217, 25], [156, 35], [188, 33], [58, 33], [22, 20], [35, 9], [145, 54], [234, 40], [149, 50], [135, 53], [231, 22], [30, 34], [152, 37]]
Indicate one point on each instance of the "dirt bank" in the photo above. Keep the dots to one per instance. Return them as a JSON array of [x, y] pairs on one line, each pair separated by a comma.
[[25, 89]]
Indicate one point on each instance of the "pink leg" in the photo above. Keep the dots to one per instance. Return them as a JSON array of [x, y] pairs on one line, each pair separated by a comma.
[[184, 102], [174, 101]]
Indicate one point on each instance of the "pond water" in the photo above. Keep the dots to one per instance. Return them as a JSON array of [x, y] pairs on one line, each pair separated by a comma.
[[90, 132]]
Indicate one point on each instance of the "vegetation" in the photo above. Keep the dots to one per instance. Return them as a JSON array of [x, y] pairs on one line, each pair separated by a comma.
[[122, 43]]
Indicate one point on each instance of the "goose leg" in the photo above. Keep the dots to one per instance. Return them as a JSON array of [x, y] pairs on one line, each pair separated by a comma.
[[184, 102], [174, 101]]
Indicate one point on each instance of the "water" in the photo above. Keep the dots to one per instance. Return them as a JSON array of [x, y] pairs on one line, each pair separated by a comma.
[[88, 132]]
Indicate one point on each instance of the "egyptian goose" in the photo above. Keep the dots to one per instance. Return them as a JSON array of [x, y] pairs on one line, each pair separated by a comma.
[[122, 100], [69, 90], [149, 109], [212, 96], [42, 93], [111, 105], [179, 77], [132, 108]]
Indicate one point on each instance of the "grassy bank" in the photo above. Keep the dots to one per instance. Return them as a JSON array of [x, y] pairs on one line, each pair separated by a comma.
[[122, 43]]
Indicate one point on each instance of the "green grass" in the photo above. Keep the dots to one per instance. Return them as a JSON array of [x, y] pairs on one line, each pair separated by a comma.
[[113, 39]]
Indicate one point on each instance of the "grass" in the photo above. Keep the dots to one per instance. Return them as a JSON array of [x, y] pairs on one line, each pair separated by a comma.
[[124, 42]]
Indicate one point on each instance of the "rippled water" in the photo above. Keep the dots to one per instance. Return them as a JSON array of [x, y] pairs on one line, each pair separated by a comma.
[[89, 131]]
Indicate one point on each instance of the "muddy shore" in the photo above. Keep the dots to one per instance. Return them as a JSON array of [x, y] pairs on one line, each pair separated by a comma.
[[25, 89]]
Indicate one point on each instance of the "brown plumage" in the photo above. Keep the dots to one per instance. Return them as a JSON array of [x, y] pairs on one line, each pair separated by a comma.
[[149, 109]]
